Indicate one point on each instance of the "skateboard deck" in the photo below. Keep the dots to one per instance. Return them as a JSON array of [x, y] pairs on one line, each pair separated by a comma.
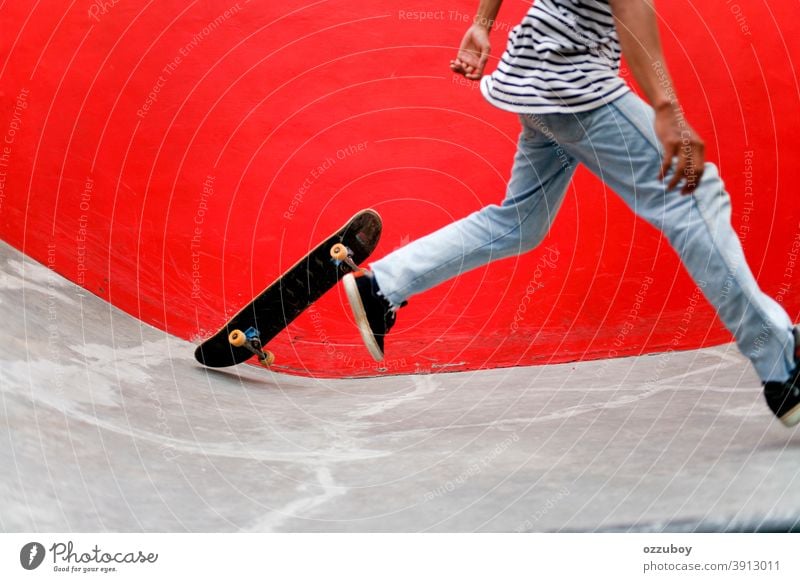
[[292, 293]]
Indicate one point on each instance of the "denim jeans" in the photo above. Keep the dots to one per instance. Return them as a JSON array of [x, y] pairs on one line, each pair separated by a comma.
[[616, 142]]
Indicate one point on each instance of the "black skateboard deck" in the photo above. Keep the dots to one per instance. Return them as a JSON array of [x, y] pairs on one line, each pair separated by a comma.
[[292, 293]]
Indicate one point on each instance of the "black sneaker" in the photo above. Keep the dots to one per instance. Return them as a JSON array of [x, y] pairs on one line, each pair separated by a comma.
[[374, 315], [783, 398]]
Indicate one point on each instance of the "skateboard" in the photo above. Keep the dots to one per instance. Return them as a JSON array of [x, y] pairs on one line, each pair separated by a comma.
[[258, 322]]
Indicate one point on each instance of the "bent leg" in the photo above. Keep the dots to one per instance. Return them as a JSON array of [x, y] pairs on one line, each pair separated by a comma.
[[621, 148], [539, 179]]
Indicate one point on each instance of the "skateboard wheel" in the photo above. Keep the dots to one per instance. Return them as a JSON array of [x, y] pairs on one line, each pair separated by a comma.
[[268, 359], [339, 252], [237, 338]]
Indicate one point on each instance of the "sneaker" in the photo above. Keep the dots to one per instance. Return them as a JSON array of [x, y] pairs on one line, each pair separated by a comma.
[[783, 398], [374, 315]]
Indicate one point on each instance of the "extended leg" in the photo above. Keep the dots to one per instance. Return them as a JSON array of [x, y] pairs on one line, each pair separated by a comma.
[[621, 148], [539, 178]]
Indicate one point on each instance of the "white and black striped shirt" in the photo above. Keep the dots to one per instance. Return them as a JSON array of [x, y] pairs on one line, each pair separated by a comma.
[[562, 58]]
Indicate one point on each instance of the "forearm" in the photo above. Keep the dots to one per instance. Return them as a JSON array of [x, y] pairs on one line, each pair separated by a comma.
[[637, 29], [487, 12]]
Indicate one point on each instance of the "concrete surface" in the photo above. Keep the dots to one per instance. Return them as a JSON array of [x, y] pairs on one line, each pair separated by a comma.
[[107, 424]]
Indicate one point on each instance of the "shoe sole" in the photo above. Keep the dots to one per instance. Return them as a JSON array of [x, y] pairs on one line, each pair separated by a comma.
[[360, 314], [792, 417]]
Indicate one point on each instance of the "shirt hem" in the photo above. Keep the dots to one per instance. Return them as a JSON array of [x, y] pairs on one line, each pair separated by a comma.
[[545, 108]]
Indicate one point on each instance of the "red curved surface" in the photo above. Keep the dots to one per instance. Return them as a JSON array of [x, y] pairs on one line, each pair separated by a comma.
[[173, 158]]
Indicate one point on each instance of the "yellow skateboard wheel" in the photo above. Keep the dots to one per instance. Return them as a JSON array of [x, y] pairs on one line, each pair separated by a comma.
[[339, 252], [237, 338], [268, 360]]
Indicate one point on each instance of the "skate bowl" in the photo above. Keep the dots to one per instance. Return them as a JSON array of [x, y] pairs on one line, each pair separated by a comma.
[[174, 159], [163, 162], [110, 427]]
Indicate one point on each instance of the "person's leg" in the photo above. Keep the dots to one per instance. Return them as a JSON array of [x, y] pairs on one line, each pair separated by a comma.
[[621, 148], [539, 179]]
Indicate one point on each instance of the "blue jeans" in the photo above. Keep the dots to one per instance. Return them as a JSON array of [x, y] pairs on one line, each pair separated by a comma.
[[616, 142]]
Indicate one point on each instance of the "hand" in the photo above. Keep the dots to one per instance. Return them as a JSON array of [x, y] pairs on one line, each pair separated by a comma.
[[680, 141], [473, 53]]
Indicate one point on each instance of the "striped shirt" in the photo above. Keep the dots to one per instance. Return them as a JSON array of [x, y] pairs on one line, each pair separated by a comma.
[[562, 58]]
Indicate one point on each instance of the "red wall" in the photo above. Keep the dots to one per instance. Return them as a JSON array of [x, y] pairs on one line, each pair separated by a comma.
[[179, 207]]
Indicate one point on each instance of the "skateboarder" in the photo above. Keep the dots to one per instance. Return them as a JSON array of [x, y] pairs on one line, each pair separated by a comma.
[[559, 73]]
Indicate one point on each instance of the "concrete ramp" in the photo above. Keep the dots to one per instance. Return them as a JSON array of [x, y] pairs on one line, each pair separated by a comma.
[[108, 424]]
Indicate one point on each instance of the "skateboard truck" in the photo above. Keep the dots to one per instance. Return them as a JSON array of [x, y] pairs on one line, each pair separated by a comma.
[[341, 254], [251, 340]]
